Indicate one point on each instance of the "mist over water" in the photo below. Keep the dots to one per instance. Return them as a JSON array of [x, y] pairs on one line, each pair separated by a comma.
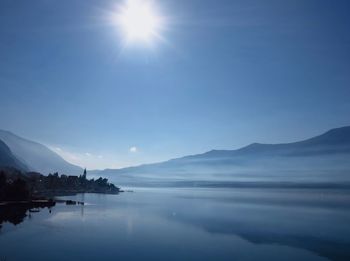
[[188, 223]]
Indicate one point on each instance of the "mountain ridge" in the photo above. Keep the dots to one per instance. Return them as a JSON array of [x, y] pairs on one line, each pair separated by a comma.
[[36, 156], [325, 153], [325, 138]]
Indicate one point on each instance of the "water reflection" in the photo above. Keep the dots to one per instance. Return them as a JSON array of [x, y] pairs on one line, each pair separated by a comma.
[[82, 205], [188, 224], [15, 213], [260, 235], [12, 214], [314, 220]]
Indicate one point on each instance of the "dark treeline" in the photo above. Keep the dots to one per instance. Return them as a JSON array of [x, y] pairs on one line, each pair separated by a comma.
[[16, 189], [15, 186]]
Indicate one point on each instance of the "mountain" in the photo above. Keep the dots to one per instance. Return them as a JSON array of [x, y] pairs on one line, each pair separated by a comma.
[[8, 160], [335, 141], [37, 157], [323, 158]]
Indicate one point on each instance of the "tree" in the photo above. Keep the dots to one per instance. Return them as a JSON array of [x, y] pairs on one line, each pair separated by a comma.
[[17, 190], [2, 179]]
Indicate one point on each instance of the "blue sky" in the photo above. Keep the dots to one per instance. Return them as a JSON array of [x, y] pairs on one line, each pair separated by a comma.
[[228, 73]]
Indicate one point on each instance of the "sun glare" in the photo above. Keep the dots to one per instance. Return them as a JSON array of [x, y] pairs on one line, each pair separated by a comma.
[[138, 21]]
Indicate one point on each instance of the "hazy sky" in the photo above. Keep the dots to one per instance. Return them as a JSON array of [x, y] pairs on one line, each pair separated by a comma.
[[228, 73]]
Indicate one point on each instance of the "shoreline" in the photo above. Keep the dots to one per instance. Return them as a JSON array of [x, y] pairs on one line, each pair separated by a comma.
[[51, 198]]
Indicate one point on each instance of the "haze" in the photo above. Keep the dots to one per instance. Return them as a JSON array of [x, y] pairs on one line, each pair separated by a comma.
[[222, 76]]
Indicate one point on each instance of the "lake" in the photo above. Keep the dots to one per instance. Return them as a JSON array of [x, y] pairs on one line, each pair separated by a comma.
[[187, 224]]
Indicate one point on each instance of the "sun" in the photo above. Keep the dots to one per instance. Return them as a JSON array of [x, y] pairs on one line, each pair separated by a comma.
[[138, 21]]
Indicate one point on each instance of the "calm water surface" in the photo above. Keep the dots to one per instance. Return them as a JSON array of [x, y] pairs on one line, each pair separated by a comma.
[[187, 224]]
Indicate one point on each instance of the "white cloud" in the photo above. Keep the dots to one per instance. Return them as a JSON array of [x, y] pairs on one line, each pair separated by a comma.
[[87, 154], [133, 149]]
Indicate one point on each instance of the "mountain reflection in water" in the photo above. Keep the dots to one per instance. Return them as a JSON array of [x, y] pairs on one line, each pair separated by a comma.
[[188, 224]]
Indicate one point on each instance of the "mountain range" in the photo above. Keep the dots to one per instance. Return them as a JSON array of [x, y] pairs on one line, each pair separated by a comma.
[[324, 158], [27, 155]]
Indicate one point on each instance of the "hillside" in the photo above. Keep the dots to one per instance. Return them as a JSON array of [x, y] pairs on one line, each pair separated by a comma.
[[36, 156], [8, 160]]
